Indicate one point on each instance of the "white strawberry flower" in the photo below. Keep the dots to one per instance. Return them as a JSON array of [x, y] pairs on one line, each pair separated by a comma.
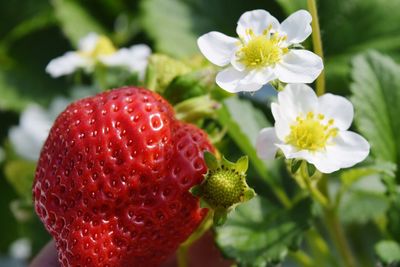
[[95, 48], [263, 52], [313, 129], [35, 122]]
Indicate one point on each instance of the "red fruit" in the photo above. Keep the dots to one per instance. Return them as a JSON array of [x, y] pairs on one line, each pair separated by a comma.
[[112, 180]]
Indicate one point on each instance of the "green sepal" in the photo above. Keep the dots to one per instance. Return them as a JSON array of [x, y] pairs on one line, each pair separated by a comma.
[[211, 161], [220, 216], [279, 155], [196, 190], [228, 164], [295, 165], [196, 108], [310, 169], [161, 70], [242, 164], [249, 194], [204, 204]]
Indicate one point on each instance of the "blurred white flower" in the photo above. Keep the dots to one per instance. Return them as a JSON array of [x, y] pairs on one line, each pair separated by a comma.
[[21, 249], [35, 122], [263, 52], [95, 48], [313, 129]]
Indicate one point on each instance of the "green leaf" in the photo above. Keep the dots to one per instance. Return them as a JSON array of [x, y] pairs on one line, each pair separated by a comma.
[[365, 197], [394, 217], [362, 206], [381, 23], [175, 25], [23, 79], [8, 224], [75, 21], [388, 251], [350, 176], [376, 98], [257, 232], [243, 122], [19, 174], [291, 6], [352, 38], [12, 17]]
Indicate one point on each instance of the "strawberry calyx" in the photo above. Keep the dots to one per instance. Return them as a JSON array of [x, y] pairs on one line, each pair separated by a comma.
[[196, 108], [224, 186]]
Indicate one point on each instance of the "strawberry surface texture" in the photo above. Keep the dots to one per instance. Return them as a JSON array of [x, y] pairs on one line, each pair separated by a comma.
[[112, 181]]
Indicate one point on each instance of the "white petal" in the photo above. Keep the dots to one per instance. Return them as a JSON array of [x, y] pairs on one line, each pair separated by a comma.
[[257, 20], [259, 76], [282, 124], [348, 149], [236, 63], [230, 79], [299, 66], [88, 43], [297, 26], [319, 159], [66, 64], [323, 163], [217, 47], [338, 108], [297, 100], [21, 249], [292, 152], [265, 145], [134, 58], [28, 138]]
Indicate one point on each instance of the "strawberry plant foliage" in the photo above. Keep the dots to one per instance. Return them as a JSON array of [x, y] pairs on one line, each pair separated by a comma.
[[260, 232], [190, 19], [376, 83]]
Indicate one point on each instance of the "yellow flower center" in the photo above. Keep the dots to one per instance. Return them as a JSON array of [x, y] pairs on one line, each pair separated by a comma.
[[262, 50], [103, 47], [311, 133]]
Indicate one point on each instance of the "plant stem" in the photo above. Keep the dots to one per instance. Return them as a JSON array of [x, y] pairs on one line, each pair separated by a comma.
[[317, 43], [332, 221], [338, 236], [281, 195], [319, 248], [302, 258], [313, 189], [182, 254], [334, 227]]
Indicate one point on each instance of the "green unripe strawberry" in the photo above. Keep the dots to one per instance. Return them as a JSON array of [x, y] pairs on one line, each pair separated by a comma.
[[224, 186]]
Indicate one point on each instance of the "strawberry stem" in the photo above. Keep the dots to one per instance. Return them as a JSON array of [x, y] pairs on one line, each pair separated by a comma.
[[182, 253]]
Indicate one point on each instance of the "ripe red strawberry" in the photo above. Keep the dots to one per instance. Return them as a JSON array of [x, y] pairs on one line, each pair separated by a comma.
[[112, 180]]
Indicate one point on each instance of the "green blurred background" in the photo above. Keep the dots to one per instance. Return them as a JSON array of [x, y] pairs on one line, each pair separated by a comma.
[[32, 32]]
